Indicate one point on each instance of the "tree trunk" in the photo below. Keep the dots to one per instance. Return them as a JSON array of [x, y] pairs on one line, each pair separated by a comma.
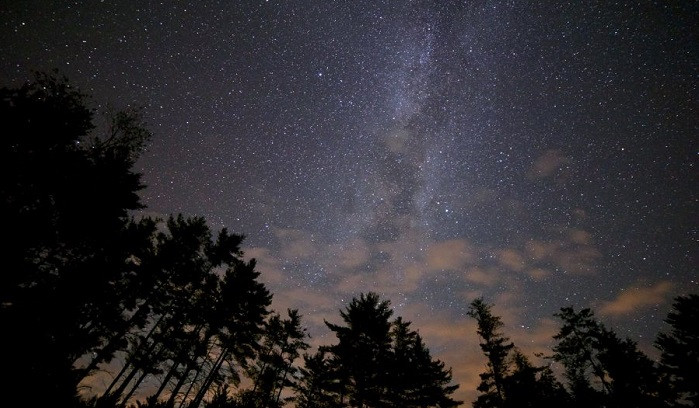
[[166, 380], [110, 347], [144, 373], [130, 359], [134, 371], [133, 389], [179, 385], [116, 379], [283, 378], [194, 380], [186, 394], [209, 379]]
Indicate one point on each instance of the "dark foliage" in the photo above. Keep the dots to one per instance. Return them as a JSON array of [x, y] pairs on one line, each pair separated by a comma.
[[68, 240], [680, 349], [510, 381], [376, 363], [603, 370], [84, 283]]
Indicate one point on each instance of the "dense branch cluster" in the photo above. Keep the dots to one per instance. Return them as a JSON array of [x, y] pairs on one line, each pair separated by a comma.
[[599, 368], [170, 312]]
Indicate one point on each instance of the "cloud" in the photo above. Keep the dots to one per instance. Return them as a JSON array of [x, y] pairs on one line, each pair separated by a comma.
[[573, 253], [296, 244], [352, 255], [579, 237], [268, 265], [482, 275], [547, 164], [632, 299], [538, 273], [511, 259], [449, 255]]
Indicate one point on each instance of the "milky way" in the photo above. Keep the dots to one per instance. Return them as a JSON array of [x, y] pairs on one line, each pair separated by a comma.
[[541, 154]]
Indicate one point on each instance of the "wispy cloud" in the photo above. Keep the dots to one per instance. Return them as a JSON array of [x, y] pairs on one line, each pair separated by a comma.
[[548, 164], [635, 298]]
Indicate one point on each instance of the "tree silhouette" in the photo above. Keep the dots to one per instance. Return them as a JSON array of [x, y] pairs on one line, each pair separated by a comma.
[[680, 348], [67, 193], [274, 370], [376, 363], [363, 350], [511, 380], [603, 370], [317, 387], [496, 348], [577, 349], [85, 283], [416, 380]]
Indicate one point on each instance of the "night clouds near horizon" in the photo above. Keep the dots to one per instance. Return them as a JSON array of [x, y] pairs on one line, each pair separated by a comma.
[[541, 155]]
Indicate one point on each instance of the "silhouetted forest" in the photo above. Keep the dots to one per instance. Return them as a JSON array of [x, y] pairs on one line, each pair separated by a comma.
[[87, 288]]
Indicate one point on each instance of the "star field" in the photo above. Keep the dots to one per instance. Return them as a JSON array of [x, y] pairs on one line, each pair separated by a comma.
[[540, 154]]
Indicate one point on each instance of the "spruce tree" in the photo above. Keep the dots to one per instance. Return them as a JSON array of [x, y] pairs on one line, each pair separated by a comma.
[[679, 348], [496, 348], [376, 363]]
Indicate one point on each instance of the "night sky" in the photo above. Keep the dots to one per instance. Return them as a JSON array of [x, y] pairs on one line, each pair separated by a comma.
[[538, 154]]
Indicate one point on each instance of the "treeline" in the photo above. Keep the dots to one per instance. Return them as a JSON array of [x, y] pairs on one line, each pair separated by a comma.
[[599, 368], [173, 316], [167, 308]]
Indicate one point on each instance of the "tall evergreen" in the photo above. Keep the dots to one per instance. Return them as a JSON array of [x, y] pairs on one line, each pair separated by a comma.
[[83, 283], [496, 348], [601, 369], [376, 363], [317, 387], [66, 191], [679, 348], [275, 368], [510, 381]]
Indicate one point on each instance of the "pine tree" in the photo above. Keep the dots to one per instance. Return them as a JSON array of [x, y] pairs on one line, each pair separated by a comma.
[[66, 194], [496, 348], [417, 380], [680, 348], [317, 387], [511, 380], [376, 363], [363, 350], [274, 370], [603, 370], [577, 349]]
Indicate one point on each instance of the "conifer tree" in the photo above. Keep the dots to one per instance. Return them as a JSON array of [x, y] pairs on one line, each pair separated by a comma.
[[376, 363], [679, 348], [601, 369], [66, 194], [511, 380], [496, 348]]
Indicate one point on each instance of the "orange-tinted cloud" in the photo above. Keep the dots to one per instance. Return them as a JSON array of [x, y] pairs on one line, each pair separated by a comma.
[[632, 299], [547, 164], [579, 237], [449, 255], [482, 275], [538, 273], [353, 255], [511, 259], [296, 244], [573, 253]]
